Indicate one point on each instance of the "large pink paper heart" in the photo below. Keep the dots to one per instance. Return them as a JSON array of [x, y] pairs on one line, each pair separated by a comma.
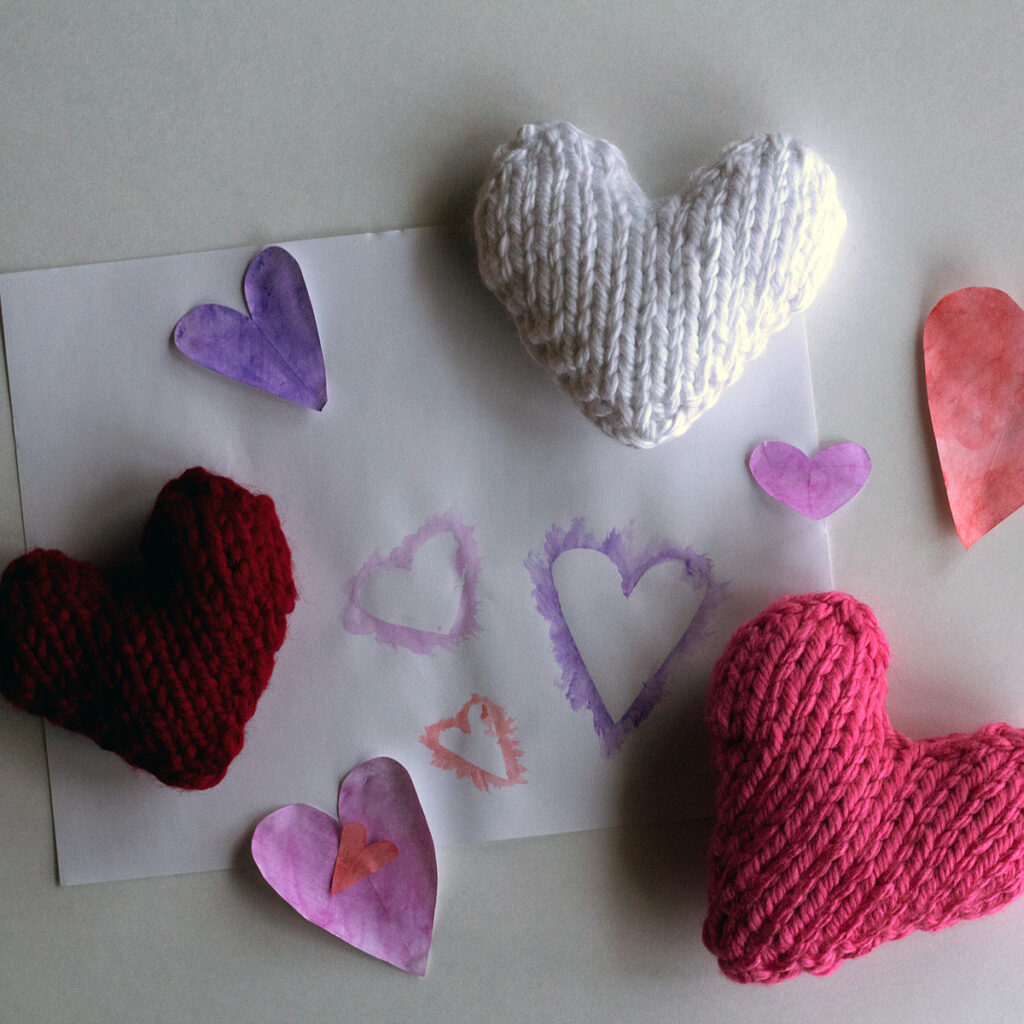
[[835, 832], [276, 348], [974, 370], [388, 910], [814, 487]]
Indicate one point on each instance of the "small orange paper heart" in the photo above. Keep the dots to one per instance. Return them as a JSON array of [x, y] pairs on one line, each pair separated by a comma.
[[355, 859]]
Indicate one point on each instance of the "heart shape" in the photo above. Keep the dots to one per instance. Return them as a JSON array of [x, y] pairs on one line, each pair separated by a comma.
[[465, 570], [389, 912], [814, 487], [276, 348], [623, 633], [356, 860], [974, 370], [835, 832], [695, 571], [495, 725], [645, 309], [164, 666]]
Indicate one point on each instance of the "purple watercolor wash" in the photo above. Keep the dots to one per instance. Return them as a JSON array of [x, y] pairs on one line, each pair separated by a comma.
[[276, 348], [579, 686], [389, 913], [466, 569], [813, 487]]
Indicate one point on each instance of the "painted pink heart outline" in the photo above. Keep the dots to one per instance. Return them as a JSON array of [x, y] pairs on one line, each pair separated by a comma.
[[498, 724], [356, 619]]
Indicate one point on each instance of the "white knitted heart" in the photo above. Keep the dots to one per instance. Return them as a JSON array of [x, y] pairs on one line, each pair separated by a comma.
[[645, 309]]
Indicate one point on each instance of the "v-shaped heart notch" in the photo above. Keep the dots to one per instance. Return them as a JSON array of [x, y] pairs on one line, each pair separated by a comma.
[[356, 860]]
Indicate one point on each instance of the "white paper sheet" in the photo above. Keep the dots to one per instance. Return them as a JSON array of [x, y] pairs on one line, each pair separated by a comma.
[[434, 411]]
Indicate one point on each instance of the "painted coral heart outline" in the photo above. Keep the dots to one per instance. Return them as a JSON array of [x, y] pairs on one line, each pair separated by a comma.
[[498, 724], [389, 912], [277, 347], [618, 546], [356, 619]]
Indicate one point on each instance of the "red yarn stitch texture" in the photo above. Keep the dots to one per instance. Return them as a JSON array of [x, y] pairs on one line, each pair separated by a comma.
[[165, 667], [835, 832]]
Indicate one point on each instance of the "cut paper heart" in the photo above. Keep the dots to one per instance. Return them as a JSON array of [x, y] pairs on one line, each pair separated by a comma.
[[835, 832], [646, 309], [694, 572], [814, 487], [484, 721], [356, 860], [974, 370], [276, 348], [464, 572], [378, 901], [163, 666]]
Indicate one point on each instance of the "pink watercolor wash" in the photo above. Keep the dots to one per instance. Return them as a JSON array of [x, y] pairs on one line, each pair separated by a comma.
[[466, 570], [379, 897], [497, 724], [974, 373]]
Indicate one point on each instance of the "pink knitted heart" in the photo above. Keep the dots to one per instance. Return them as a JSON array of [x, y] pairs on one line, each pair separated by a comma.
[[835, 832]]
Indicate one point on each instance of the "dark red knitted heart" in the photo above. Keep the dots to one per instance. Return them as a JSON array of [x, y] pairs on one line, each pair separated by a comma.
[[164, 666]]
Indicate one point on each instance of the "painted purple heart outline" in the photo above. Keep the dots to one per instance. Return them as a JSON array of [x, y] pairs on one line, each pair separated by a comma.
[[814, 487], [389, 913], [356, 619], [579, 686], [276, 348]]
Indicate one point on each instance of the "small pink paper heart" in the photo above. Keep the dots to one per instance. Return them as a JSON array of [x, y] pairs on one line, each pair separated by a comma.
[[814, 487], [388, 911], [356, 860]]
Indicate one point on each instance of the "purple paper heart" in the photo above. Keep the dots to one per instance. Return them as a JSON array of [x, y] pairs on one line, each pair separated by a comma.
[[579, 686], [813, 487], [390, 912], [277, 348]]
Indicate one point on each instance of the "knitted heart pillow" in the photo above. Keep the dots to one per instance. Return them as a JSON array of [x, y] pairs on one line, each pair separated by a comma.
[[834, 832], [646, 309], [165, 667]]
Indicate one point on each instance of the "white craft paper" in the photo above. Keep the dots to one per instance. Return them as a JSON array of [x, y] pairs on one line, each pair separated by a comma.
[[434, 409]]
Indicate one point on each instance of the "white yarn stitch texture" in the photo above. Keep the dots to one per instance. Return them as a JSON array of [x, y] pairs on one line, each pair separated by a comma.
[[645, 309]]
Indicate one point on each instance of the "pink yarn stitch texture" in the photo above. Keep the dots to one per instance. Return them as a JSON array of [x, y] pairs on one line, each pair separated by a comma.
[[834, 832]]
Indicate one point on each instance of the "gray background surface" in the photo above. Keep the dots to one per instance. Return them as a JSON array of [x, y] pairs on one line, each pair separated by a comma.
[[143, 129]]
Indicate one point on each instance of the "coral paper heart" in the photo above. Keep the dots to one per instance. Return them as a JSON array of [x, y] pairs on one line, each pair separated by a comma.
[[164, 666], [389, 911], [277, 348], [814, 487], [974, 370], [835, 832], [356, 859], [645, 309]]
